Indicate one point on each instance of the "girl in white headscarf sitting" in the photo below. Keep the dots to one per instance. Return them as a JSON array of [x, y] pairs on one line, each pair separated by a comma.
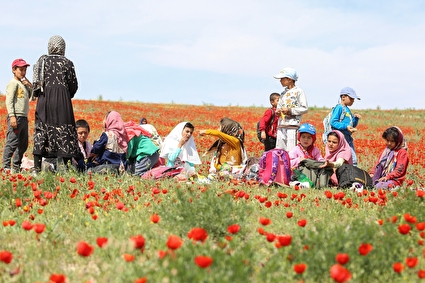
[[179, 148]]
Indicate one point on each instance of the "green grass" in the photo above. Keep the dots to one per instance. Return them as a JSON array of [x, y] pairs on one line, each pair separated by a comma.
[[332, 227]]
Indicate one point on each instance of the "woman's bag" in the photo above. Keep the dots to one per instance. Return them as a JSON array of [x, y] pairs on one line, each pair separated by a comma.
[[348, 174]]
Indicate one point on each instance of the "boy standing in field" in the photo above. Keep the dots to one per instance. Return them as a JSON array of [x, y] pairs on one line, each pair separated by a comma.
[[290, 108], [268, 123], [346, 123], [18, 92]]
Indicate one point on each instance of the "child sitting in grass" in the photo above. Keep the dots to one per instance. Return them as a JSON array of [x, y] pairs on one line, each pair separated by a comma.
[[305, 148], [390, 170]]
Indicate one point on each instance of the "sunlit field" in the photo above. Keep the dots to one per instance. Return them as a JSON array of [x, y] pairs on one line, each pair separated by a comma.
[[71, 227]]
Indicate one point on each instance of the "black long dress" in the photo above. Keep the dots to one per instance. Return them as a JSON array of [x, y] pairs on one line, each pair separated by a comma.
[[55, 134]]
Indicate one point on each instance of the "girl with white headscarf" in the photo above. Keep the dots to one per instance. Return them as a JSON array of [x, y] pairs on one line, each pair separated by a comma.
[[179, 146], [55, 84]]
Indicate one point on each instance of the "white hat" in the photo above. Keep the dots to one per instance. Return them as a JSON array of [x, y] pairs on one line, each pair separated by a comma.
[[287, 72]]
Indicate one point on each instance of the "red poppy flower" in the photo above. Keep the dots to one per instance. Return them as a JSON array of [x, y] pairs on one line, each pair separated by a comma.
[[420, 226], [138, 241], [18, 202], [198, 234], [404, 229], [261, 231], [302, 222], [203, 261], [421, 273], [265, 221], [120, 205], [410, 218], [84, 249], [339, 273], [284, 240], [342, 258], [411, 261], [365, 248], [73, 180], [26, 225], [5, 223], [289, 214], [398, 267], [233, 229], [39, 228], [328, 194], [57, 278], [270, 237], [300, 268], [380, 221], [155, 218], [101, 241], [141, 280], [174, 242], [128, 257], [12, 222], [6, 257]]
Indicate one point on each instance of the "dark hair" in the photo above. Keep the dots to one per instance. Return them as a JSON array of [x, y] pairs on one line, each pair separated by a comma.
[[189, 125], [274, 95], [391, 132], [333, 134], [82, 124]]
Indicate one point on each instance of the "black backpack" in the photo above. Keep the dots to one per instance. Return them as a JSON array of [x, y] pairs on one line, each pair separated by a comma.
[[348, 174], [268, 126]]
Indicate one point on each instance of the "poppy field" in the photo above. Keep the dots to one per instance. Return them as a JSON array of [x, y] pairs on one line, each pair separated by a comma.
[[71, 227]]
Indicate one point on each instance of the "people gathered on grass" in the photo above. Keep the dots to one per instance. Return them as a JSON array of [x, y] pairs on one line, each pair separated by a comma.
[[137, 148]]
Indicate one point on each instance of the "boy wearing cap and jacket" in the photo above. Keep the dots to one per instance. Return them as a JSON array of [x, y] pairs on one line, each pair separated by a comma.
[[290, 108], [347, 125], [18, 93]]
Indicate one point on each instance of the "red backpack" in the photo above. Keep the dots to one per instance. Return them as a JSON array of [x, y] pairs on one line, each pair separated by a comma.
[[275, 167]]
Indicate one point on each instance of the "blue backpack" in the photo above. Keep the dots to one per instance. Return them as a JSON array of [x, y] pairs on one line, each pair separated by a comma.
[[327, 123]]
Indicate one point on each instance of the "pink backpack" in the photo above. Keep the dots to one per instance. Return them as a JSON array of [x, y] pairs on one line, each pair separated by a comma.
[[162, 172], [275, 167]]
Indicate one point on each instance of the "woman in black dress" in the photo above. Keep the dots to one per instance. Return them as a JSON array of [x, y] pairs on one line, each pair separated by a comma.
[[55, 84]]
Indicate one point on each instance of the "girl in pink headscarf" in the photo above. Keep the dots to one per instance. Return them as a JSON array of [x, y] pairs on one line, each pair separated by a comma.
[[111, 147], [390, 170], [337, 152]]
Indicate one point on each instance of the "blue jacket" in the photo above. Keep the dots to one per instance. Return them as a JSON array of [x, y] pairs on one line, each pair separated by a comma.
[[342, 118]]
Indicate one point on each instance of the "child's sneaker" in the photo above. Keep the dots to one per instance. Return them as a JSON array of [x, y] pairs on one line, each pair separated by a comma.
[[357, 187]]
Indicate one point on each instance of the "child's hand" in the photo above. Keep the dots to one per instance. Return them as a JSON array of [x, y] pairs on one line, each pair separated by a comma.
[[202, 132], [383, 179], [324, 165], [358, 116], [13, 122], [351, 129], [263, 135]]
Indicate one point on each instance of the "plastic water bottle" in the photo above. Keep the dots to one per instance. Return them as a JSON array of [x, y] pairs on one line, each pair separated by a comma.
[[301, 177]]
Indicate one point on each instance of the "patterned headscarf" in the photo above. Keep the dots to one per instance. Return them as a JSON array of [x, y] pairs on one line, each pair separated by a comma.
[[231, 128], [56, 45], [388, 157], [114, 123]]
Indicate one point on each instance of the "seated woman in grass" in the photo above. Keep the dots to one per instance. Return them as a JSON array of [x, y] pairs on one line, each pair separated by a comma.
[[229, 149], [109, 151], [390, 170], [179, 148], [337, 152]]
